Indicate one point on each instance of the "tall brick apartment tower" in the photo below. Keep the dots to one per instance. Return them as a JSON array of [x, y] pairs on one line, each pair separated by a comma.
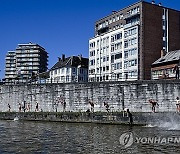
[[128, 41]]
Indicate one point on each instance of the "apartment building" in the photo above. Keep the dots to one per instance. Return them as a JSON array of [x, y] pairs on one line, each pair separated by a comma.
[[69, 69], [27, 60], [10, 65], [128, 41]]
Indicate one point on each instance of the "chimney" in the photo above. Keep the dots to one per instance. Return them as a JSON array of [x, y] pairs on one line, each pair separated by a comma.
[[59, 59], [163, 53], [63, 57], [80, 56], [160, 4], [153, 2]]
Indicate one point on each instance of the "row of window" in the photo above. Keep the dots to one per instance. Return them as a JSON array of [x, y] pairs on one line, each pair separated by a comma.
[[116, 37], [130, 42], [92, 45], [116, 46], [130, 32], [130, 52], [103, 41], [109, 21], [92, 53], [131, 74], [133, 11], [117, 18], [162, 72], [103, 59], [118, 66], [62, 71], [104, 68], [130, 63]]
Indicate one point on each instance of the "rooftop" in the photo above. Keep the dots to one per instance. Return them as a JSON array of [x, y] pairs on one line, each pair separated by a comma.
[[172, 56], [71, 61]]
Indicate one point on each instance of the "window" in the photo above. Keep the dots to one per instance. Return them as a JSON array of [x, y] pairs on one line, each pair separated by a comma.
[[118, 56], [97, 60], [107, 68], [73, 70], [104, 68], [112, 58], [125, 44], [67, 78], [92, 62], [81, 71], [67, 70], [112, 48], [125, 64], [107, 77], [107, 58]]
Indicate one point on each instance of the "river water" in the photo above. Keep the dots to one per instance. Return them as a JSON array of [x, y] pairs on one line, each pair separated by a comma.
[[71, 138]]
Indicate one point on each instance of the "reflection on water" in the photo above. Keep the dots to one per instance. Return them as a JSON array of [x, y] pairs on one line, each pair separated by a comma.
[[67, 138]]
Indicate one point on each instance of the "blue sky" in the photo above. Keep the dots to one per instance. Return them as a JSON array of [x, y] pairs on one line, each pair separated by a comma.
[[60, 26]]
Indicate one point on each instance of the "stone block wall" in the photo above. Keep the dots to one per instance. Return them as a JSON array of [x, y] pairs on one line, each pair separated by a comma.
[[50, 97]]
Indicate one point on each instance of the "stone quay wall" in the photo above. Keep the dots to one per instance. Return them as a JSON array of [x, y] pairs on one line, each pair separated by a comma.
[[119, 95]]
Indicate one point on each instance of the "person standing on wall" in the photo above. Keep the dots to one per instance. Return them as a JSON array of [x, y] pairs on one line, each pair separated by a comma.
[[37, 107], [177, 104], [9, 107], [153, 103], [176, 70], [130, 117]]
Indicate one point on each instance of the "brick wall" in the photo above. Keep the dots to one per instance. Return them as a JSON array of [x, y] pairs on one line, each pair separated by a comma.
[[151, 40]]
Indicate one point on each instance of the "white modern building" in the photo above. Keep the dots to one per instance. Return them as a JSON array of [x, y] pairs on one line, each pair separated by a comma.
[[114, 55], [70, 69], [128, 41]]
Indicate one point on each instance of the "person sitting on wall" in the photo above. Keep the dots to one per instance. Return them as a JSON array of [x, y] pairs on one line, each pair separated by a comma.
[[106, 106], [177, 104], [153, 103]]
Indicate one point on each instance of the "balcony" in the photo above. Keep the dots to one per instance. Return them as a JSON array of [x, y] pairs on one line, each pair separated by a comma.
[[103, 30], [129, 16], [131, 24]]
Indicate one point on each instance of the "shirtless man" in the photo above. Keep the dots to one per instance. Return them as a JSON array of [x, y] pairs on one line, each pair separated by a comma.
[[153, 103]]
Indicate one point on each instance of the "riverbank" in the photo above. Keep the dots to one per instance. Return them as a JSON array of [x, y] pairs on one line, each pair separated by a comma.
[[96, 117]]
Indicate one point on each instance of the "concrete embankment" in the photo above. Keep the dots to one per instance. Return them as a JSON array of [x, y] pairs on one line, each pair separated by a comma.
[[97, 117], [133, 95]]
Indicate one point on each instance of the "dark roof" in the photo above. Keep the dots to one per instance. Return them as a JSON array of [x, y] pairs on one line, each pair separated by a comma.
[[44, 75], [71, 61], [173, 56]]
